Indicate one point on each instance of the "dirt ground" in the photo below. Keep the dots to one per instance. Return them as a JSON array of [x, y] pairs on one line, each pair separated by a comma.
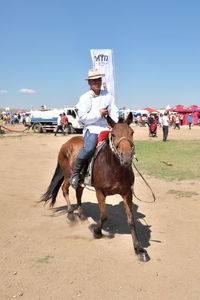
[[44, 257]]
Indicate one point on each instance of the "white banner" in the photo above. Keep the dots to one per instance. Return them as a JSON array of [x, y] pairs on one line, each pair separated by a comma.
[[102, 60]]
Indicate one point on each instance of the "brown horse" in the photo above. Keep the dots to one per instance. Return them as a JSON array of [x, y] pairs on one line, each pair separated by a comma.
[[112, 174]]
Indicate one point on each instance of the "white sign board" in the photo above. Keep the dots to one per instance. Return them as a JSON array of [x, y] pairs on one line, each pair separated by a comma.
[[103, 61]]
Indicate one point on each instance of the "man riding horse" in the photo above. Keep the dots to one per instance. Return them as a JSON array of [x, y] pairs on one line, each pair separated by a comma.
[[93, 106], [112, 169]]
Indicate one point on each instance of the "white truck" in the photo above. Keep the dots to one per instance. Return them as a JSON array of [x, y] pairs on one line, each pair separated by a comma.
[[46, 119]]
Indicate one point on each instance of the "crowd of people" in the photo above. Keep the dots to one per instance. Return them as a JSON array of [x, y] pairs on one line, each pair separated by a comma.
[[12, 118], [166, 120], [175, 120]]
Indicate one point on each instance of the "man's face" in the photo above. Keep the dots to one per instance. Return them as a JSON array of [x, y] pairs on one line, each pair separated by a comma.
[[95, 85]]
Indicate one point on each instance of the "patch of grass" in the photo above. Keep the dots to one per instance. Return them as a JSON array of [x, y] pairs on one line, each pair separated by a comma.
[[172, 160], [45, 259], [180, 194]]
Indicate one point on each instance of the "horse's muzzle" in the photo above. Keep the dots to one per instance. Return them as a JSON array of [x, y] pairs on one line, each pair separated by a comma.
[[126, 159]]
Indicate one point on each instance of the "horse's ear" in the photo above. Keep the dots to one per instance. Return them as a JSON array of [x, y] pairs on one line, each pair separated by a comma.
[[110, 121], [129, 118]]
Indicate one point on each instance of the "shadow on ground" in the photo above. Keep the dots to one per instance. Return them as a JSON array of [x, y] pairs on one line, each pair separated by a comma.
[[117, 222]]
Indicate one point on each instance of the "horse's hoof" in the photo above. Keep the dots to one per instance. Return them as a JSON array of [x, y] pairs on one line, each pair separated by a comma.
[[71, 216], [143, 256], [96, 234], [82, 217]]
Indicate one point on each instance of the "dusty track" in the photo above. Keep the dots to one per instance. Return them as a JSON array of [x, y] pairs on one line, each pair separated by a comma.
[[44, 257]]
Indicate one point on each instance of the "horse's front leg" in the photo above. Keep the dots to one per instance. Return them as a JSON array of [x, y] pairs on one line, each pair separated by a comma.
[[102, 206], [142, 253]]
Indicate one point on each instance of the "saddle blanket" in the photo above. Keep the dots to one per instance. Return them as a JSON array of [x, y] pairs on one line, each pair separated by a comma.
[[101, 137]]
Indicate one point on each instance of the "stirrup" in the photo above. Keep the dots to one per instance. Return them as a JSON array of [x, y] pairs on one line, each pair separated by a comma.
[[74, 181]]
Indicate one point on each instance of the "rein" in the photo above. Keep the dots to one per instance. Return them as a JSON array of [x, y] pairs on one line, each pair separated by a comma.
[[116, 152], [153, 195]]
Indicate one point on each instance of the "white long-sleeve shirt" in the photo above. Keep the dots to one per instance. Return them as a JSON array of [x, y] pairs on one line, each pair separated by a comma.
[[59, 120], [165, 121], [89, 114]]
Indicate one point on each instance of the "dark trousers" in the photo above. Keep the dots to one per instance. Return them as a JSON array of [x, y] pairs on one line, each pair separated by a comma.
[[176, 126], [59, 127], [165, 132]]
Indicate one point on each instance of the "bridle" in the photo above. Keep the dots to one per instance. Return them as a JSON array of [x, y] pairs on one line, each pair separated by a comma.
[[114, 148]]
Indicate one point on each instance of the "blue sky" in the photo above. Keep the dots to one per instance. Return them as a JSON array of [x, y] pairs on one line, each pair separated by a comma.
[[45, 51]]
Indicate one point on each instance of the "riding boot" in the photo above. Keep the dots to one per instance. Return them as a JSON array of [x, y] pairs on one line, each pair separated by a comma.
[[75, 178]]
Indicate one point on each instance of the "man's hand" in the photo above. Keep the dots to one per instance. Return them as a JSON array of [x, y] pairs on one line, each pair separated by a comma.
[[103, 112]]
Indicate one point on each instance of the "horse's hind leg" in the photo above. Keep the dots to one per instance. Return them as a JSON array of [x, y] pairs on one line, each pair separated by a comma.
[[65, 189], [102, 205], [142, 253], [79, 192]]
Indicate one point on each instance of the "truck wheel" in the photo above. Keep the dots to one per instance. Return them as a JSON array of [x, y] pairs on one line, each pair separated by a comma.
[[37, 128]]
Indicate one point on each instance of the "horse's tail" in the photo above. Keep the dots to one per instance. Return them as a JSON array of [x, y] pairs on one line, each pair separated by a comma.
[[54, 186]]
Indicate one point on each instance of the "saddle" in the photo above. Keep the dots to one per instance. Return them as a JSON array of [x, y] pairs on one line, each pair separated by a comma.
[[86, 174]]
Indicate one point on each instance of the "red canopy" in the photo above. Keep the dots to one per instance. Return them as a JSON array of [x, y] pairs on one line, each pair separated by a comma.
[[194, 108], [151, 110], [21, 112], [180, 108], [183, 109]]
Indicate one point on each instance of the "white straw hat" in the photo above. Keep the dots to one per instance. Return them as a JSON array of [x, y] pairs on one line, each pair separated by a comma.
[[94, 74]]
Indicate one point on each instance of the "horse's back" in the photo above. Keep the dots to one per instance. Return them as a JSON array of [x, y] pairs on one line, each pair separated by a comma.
[[69, 151]]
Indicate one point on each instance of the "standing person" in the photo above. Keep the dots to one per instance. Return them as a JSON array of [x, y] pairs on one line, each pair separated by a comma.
[[59, 124], [64, 123], [14, 119], [181, 120], [189, 118], [177, 122], [165, 125], [150, 119], [172, 120], [93, 107], [140, 121]]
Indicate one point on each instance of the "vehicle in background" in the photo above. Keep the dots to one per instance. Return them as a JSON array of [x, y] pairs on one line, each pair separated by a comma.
[[46, 119]]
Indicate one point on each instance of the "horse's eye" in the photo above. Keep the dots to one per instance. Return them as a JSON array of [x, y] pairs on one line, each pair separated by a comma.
[[113, 135]]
